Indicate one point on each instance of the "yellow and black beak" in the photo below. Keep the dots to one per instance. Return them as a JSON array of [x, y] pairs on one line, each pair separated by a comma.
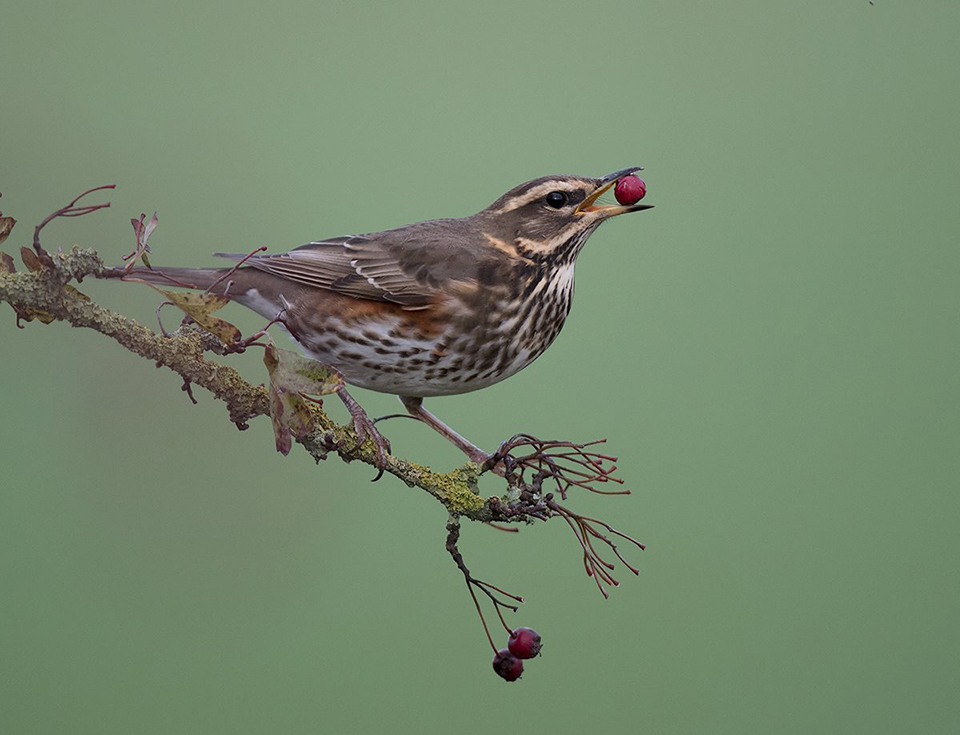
[[604, 184]]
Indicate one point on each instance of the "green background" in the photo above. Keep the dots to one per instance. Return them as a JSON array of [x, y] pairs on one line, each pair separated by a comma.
[[772, 351]]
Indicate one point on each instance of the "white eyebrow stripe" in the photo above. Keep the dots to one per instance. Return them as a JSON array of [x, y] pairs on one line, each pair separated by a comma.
[[542, 190]]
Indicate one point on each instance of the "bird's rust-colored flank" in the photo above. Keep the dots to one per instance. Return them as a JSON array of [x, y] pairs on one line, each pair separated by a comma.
[[434, 308]]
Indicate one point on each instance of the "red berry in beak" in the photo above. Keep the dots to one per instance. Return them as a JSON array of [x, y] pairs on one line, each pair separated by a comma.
[[630, 190], [524, 643], [507, 666]]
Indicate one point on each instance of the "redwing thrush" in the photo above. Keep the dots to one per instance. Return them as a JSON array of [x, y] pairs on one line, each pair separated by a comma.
[[434, 308]]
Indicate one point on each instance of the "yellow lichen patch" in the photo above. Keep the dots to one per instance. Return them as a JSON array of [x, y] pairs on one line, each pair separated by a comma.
[[457, 489]]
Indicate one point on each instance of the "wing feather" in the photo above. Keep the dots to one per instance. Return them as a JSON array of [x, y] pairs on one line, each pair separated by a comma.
[[357, 266]]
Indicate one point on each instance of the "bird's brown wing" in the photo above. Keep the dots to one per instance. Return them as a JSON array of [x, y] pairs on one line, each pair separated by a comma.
[[359, 266], [407, 266]]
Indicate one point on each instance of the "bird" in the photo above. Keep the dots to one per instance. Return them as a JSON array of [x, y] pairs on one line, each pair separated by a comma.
[[435, 308]]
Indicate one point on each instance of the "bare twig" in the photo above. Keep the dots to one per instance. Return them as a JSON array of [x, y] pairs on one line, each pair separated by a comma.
[[233, 270], [584, 528], [496, 595], [70, 210], [563, 463]]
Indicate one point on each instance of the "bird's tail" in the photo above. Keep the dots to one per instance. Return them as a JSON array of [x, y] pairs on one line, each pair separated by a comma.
[[196, 278]]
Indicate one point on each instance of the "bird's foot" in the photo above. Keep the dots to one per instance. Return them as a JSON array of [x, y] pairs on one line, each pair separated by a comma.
[[365, 427]]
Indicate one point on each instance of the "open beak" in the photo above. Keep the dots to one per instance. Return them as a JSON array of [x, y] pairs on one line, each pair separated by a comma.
[[604, 185]]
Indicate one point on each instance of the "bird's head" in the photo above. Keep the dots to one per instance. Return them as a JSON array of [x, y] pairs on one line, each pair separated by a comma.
[[550, 218]]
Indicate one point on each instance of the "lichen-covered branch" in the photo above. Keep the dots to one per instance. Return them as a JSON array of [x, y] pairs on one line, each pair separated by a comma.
[[45, 291]]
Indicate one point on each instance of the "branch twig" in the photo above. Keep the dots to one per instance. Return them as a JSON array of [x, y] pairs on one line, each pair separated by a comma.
[[497, 596], [70, 210]]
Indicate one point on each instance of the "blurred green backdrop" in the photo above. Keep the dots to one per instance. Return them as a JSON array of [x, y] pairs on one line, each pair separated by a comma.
[[772, 351]]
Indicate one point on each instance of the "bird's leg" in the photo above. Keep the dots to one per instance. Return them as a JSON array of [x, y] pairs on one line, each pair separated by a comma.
[[416, 409], [364, 426]]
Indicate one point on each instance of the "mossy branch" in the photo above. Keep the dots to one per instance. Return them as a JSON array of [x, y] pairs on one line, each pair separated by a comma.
[[46, 293]]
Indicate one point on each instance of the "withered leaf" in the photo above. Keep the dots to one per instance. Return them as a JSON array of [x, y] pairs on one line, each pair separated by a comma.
[[41, 316], [281, 433], [31, 260], [291, 375], [142, 234], [200, 308], [70, 289], [148, 230], [27, 314], [6, 225], [290, 416], [6, 264], [294, 372]]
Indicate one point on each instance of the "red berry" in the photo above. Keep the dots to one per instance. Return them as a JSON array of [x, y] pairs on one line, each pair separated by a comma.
[[630, 190], [524, 643], [507, 666]]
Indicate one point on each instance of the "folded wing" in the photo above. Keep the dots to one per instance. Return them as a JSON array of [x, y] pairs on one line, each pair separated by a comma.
[[355, 266]]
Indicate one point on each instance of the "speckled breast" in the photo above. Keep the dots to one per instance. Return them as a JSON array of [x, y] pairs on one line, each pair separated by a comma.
[[456, 348]]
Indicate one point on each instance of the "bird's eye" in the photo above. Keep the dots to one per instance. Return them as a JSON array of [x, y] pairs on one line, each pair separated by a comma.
[[556, 199]]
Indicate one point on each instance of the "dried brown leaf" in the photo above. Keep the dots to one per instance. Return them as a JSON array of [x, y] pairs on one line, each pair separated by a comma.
[[41, 316], [290, 415], [281, 433], [200, 308], [6, 264], [142, 232], [70, 289], [31, 260], [26, 314], [294, 372], [148, 230], [6, 225], [291, 375]]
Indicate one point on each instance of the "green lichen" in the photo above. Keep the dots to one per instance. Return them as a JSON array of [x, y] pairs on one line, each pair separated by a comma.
[[458, 490]]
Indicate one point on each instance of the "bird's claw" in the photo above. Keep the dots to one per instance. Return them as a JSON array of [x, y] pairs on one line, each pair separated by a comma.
[[365, 427]]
